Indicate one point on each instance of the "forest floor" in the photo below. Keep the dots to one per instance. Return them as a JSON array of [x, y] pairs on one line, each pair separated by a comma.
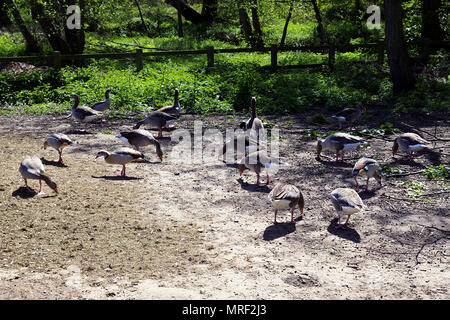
[[191, 231]]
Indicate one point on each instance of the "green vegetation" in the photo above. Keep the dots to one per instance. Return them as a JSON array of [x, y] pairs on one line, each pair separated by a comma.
[[439, 172]]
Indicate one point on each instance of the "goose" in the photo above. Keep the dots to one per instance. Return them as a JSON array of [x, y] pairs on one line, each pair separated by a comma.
[[241, 141], [103, 105], [156, 119], [368, 167], [140, 138], [253, 124], [32, 168], [409, 142], [258, 161], [121, 156], [175, 109], [58, 141], [346, 201], [83, 113], [349, 115], [339, 142], [286, 196]]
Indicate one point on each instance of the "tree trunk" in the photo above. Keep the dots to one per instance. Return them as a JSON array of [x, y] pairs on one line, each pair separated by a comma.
[[431, 27], [75, 37], [320, 28], [48, 27], [31, 42], [209, 9], [187, 12], [140, 15], [4, 18], [401, 73], [246, 27], [286, 24], [180, 23], [257, 32]]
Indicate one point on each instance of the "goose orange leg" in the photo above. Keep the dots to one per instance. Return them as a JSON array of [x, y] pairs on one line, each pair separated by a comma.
[[357, 185], [292, 216], [275, 219], [122, 173]]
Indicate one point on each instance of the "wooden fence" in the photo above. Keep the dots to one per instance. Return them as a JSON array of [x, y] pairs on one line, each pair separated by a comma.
[[138, 56]]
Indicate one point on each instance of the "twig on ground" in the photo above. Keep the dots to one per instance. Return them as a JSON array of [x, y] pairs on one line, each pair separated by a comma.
[[428, 243], [404, 174]]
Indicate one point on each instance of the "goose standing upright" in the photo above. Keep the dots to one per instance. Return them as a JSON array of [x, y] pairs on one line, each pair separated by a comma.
[[368, 167], [32, 168], [257, 162], [286, 196], [247, 144], [339, 142], [58, 141], [410, 143], [84, 114], [349, 115], [121, 156], [140, 138], [346, 202], [253, 124], [103, 105], [175, 109]]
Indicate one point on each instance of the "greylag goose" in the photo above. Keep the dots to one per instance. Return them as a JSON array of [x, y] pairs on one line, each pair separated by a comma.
[[409, 142], [32, 168], [175, 109], [156, 119], [83, 113], [140, 138], [339, 142], [253, 124], [241, 141], [257, 162], [121, 156], [58, 141], [349, 115], [346, 202], [103, 105], [286, 196], [368, 167]]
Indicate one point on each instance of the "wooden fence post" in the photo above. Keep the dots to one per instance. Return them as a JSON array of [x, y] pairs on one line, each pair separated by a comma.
[[331, 57], [138, 59], [210, 56], [273, 57], [381, 52], [57, 59]]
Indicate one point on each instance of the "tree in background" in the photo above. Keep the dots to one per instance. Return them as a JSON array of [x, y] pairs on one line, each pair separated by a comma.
[[253, 36], [431, 27], [4, 18], [401, 73]]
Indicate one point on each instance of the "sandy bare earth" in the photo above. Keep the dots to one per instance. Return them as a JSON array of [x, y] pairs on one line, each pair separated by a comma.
[[194, 231]]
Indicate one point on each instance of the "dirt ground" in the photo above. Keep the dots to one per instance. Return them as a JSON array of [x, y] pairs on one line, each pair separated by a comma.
[[193, 231]]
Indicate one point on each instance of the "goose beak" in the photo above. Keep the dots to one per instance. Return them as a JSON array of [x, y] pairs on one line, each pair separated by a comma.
[[56, 190]]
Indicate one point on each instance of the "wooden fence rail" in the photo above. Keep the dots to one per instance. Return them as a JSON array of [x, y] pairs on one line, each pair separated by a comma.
[[138, 56]]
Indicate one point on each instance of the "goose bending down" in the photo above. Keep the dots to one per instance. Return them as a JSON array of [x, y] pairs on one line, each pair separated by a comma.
[[368, 167], [121, 156], [140, 138], [156, 119], [58, 141], [253, 124], [349, 115], [257, 162], [175, 109], [103, 105], [410, 143], [247, 144], [339, 142], [286, 196], [83, 113], [32, 168], [346, 202]]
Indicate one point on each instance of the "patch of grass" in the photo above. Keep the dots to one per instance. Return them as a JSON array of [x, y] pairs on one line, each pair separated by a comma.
[[387, 169], [319, 118], [439, 172]]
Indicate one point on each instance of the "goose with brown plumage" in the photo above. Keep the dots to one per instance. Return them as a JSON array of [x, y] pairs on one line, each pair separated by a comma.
[[241, 145], [350, 115], [156, 119], [174, 109], [103, 105], [346, 202], [140, 138], [253, 125], [121, 156], [367, 167], [32, 168], [58, 141], [286, 196], [257, 162], [84, 114], [339, 142], [410, 143]]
